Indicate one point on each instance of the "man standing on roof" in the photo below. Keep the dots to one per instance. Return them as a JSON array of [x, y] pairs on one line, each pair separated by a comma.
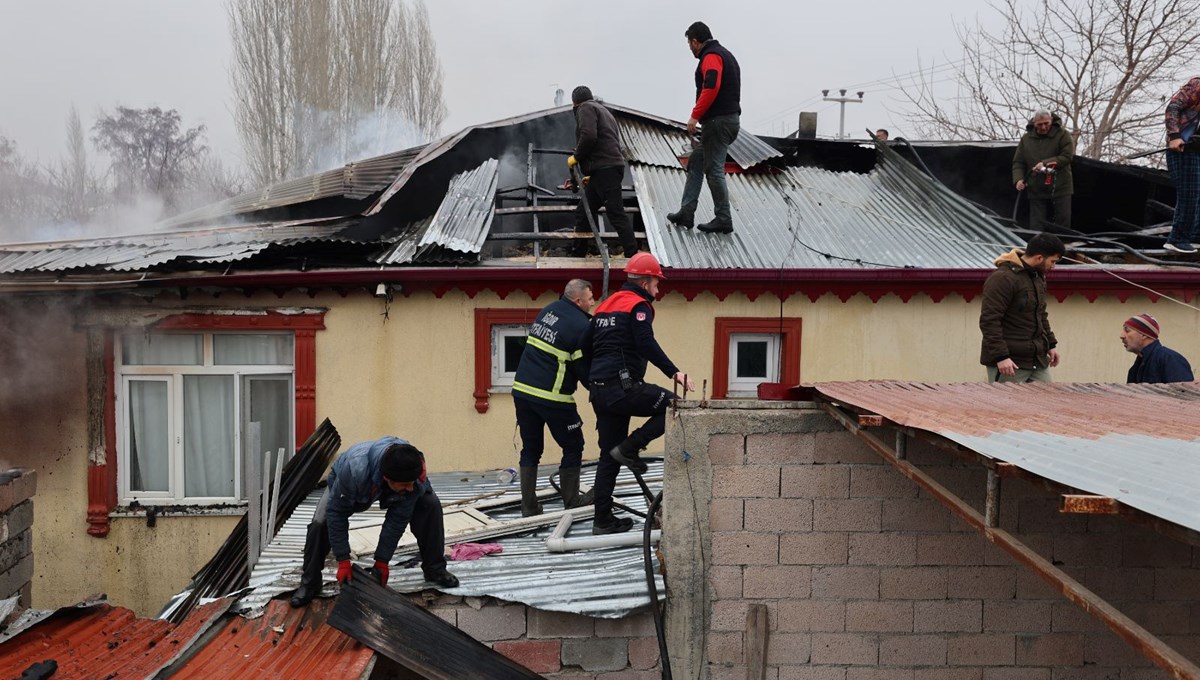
[[1155, 362], [621, 342], [1041, 168], [1183, 163], [543, 392], [392, 472], [598, 154], [719, 108], [1018, 345]]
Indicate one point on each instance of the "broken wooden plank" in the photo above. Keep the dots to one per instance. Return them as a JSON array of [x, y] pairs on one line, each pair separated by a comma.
[[756, 642], [393, 626], [1086, 504]]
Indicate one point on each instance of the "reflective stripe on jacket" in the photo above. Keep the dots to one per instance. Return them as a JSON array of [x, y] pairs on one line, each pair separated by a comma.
[[553, 363]]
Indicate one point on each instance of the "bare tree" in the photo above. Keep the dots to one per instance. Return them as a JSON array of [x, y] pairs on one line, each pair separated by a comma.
[[150, 151], [320, 83], [1105, 66], [26, 197], [75, 182]]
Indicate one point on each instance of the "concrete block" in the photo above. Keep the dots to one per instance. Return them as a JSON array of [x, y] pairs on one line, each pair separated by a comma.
[[14, 549], [1164, 618], [728, 615], [744, 547], [629, 674], [777, 582], [643, 653], [16, 486], [780, 448], [1172, 583], [845, 582], [816, 481], [725, 647], [1030, 586], [17, 576], [912, 650], [748, 481], [1041, 516], [951, 549], [789, 648], [951, 673], [914, 514], [880, 481], [913, 583], [989, 649], [725, 514], [640, 624], [879, 616], [851, 514], [1017, 616], [847, 649], [447, 614], [883, 549], [17, 520], [1050, 649], [1106, 649], [806, 616], [596, 654], [814, 548], [948, 616], [493, 623], [808, 673], [996, 583], [1154, 551], [1016, 674], [725, 582], [539, 656], [880, 674], [843, 447], [1068, 617], [779, 514], [1087, 550], [727, 449], [735, 672]]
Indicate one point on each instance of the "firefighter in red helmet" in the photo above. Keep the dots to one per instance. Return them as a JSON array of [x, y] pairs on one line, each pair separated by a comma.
[[621, 338]]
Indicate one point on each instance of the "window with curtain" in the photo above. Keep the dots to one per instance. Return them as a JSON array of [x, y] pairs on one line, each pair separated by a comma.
[[188, 400]]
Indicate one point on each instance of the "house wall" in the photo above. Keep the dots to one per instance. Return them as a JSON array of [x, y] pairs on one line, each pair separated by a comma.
[[413, 376], [863, 575], [17, 488]]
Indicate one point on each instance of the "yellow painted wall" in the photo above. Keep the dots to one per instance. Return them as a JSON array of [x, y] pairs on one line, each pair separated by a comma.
[[413, 376]]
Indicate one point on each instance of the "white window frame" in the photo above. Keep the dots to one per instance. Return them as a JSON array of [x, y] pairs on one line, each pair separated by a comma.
[[743, 386], [173, 375], [502, 380]]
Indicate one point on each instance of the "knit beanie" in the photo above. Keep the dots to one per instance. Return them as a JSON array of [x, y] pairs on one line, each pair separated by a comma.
[[1144, 324], [581, 94], [402, 463]]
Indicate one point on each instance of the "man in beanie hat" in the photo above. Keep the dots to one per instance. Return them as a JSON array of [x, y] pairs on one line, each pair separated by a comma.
[[598, 154], [392, 472], [1155, 363]]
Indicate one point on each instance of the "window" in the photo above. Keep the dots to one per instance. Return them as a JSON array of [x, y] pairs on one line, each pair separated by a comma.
[[499, 341], [184, 406], [749, 351]]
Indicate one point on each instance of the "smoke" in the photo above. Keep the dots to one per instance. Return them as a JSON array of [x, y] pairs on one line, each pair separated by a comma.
[[366, 134], [139, 215]]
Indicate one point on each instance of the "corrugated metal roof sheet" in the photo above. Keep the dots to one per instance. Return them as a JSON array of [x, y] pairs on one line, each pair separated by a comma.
[[142, 251], [1133, 443], [608, 583], [462, 221], [893, 216], [644, 141]]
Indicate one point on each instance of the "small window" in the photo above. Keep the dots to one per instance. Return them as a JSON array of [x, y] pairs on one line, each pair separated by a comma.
[[508, 342], [754, 359]]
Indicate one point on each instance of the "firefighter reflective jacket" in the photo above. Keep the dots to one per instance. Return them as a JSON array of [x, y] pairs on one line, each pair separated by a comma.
[[553, 362]]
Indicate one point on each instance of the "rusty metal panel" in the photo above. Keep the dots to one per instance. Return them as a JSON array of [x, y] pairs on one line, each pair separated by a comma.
[[1126, 442]]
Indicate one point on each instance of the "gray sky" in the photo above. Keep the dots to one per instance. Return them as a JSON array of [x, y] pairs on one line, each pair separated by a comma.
[[500, 59]]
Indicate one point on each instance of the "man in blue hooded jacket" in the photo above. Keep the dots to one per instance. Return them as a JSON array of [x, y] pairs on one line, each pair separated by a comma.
[[392, 472]]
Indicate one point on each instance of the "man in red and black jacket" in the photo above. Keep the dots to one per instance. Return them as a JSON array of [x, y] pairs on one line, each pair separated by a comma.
[[621, 342], [719, 108]]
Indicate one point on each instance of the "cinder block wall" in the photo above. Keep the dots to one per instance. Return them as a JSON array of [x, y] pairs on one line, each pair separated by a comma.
[[865, 576], [17, 487]]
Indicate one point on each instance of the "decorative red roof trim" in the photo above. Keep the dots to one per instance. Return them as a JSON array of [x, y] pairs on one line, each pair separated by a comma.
[[484, 320]]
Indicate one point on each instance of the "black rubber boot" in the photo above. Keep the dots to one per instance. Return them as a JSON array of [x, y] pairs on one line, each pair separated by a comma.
[[441, 578], [314, 563], [626, 453], [717, 227], [529, 501], [568, 485], [682, 219], [611, 525]]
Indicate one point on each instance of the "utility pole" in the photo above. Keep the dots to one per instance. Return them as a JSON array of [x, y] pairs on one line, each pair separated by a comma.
[[843, 100]]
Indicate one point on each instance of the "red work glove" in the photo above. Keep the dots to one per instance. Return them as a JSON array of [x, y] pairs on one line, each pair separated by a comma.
[[381, 570], [343, 574]]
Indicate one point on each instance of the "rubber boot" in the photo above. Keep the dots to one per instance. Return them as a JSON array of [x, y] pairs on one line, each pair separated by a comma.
[[314, 564], [568, 484], [626, 453], [611, 525], [529, 501]]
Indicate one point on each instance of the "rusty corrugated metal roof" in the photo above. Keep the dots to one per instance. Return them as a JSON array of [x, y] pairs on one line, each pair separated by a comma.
[[1134, 443]]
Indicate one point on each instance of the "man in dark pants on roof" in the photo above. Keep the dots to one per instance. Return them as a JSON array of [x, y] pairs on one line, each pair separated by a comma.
[[392, 472], [1018, 345], [621, 341], [1041, 168], [1183, 164], [719, 108], [598, 153], [543, 390], [1155, 363]]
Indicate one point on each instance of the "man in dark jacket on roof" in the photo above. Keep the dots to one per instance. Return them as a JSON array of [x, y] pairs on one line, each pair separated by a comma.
[[718, 112], [543, 390], [1183, 164], [598, 154], [1041, 168], [1018, 345], [1155, 362], [392, 472]]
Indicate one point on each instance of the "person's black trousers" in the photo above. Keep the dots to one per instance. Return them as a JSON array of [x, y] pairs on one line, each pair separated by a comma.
[[533, 417], [604, 189], [614, 407]]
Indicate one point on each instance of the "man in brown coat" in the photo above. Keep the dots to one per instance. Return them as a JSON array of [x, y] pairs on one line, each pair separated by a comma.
[[1018, 345]]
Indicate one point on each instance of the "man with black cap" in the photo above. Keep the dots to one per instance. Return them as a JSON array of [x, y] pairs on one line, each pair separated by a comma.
[[1155, 363], [392, 472], [598, 154]]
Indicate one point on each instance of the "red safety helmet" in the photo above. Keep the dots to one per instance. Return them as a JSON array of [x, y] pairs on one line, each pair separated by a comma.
[[644, 264]]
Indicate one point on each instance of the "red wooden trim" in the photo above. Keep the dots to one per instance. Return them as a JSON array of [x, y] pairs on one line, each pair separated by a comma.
[[306, 383], [484, 320], [789, 365], [271, 321], [102, 476]]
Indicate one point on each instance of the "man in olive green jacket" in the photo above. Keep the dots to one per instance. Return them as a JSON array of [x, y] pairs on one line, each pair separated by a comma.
[[1018, 344], [1041, 168]]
